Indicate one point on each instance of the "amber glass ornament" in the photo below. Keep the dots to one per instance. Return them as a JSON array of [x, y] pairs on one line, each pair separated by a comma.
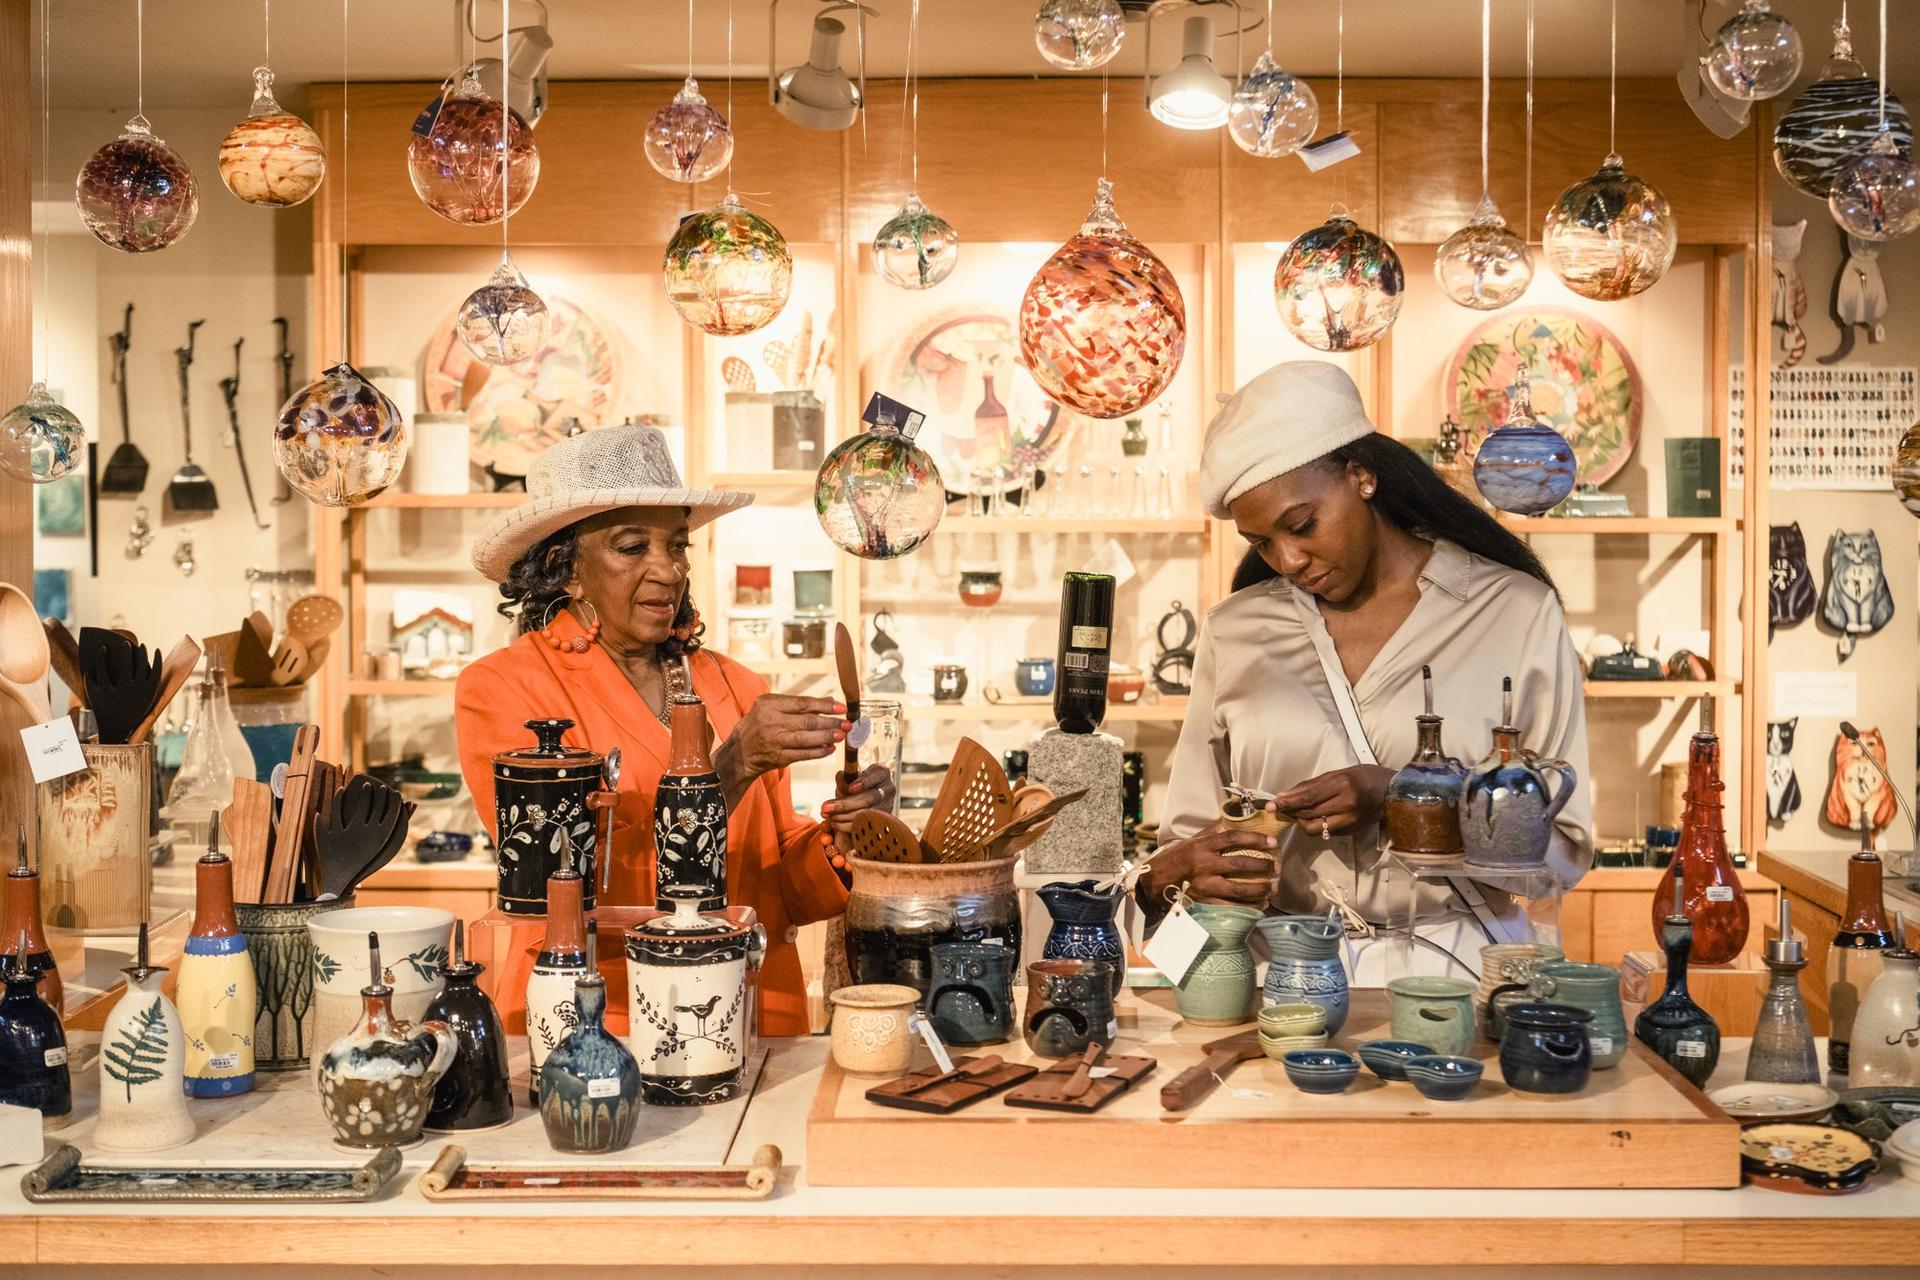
[[453, 156], [273, 158], [136, 194], [879, 495], [687, 140], [917, 248], [503, 321], [1485, 264], [728, 270], [1610, 236], [41, 439], [1338, 287], [340, 440], [1102, 325], [1712, 897]]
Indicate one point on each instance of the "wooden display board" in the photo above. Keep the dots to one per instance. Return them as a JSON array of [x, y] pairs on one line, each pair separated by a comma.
[[1638, 1125]]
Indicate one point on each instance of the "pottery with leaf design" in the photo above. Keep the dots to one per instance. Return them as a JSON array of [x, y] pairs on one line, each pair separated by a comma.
[[690, 1007]]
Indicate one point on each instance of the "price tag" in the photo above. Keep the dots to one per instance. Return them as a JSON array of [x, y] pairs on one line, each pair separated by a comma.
[[1101, 1073], [608, 1088], [920, 1022], [862, 730], [53, 749], [1176, 944], [1690, 1049], [1781, 1153], [1719, 893], [1601, 1045], [1252, 1095], [57, 1056], [223, 1061]]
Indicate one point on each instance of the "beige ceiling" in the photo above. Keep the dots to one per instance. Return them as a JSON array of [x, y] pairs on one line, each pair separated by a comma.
[[200, 52]]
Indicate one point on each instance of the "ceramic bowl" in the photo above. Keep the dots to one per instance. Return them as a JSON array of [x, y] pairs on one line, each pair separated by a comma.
[[1443, 1078], [1278, 1047], [414, 944], [1321, 1070], [1388, 1058], [1904, 1146], [870, 1032], [1293, 1019]]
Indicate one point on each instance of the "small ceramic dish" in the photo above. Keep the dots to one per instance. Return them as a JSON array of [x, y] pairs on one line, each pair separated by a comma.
[[1752, 1101], [1904, 1146], [1321, 1070], [1818, 1159], [1388, 1058], [1443, 1078], [1293, 1019], [1278, 1047]]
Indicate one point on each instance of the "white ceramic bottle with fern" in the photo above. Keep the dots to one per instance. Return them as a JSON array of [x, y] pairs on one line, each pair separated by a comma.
[[560, 962], [143, 1104]]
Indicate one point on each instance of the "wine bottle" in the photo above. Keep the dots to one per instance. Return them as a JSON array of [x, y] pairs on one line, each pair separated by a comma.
[[1086, 638]]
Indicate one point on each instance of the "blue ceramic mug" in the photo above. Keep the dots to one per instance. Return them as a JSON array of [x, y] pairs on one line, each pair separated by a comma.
[[1034, 677]]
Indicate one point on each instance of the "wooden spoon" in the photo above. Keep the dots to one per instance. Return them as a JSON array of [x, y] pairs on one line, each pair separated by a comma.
[[64, 650], [24, 656], [848, 661], [1197, 1081], [181, 660]]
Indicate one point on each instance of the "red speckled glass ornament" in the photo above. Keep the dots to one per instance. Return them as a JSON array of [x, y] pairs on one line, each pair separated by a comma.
[[340, 440], [1339, 287], [136, 194], [453, 156], [1103, 325], [728, 271], [687, 140], [273, 158]]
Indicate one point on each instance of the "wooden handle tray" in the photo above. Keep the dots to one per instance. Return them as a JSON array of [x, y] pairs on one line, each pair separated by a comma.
[[1047, 1091], [62, 1179], [910, 1094], [452, 1178]]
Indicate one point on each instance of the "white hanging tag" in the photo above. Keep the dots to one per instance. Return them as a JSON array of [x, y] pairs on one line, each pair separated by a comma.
[[1323, 153], [53, 749], [1176, 944], [919, 1022]]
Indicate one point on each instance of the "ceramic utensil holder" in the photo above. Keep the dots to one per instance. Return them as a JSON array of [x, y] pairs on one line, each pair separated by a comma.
[[281, 948], [94, 831], [414, 944]]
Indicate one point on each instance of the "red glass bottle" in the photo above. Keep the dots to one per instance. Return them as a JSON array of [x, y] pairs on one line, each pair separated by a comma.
[[24, 942], [1859, 945], [1714, 900]]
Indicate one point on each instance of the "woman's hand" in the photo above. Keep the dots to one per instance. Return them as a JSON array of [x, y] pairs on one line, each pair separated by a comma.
[[776, 732], [870, 790], [1203, 861], [1339, 801]]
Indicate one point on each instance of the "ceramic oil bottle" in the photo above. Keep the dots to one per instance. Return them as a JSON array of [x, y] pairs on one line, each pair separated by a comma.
[[143, 1055], [1886, 1032], [1855, 958], [561, 959], [690, 814], [217, 996], [33, 1049], [1423, 799], [1716, 903], [20, 930], [377, 1081], [1783, 1050], [1673, 1026], [474, 1094], [590, 1084], [1506, 808]]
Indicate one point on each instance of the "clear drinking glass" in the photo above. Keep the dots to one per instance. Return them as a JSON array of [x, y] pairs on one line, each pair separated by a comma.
[[886, 736]]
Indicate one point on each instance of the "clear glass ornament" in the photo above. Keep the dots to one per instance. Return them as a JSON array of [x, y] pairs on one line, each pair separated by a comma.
[[687, 140], [1610, 236], [40, 439], [1524, 466], [1485, 264], [1876, 196], [503, 321], [1756, 54], [1905, 472], [1102, 324], [728, 271], [136, 194], [1273, 112], [273, 158], [1339, 287], [917, 248], [879, 495], [1833, 120], [340, 440], [453, 156], [1079, 35]]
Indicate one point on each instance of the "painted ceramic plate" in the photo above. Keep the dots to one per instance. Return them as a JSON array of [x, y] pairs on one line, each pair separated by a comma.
[[1877, 1111], [516, 411], [1584, 384], [1757, 1100], [1821, 1159]]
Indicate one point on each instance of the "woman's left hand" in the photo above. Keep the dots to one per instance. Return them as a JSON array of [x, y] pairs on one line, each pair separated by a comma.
[[1338, 801], [872, 789]]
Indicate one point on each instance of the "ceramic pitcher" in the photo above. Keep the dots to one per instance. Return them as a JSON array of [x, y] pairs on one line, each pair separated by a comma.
[[377, 1080], [1083, 925], [1507, 809], [1434, 1011], [1304, 966], [971, 1001], [1218, 989], [1593, 987]]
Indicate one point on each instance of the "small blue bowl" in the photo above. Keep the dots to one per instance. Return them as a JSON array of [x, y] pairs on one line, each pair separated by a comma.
[[1388, 1058], [1443, 1078], [1321, 1070]]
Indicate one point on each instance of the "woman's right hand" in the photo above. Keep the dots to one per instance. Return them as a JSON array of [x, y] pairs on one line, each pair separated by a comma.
[[1203, 861], [778, 731]]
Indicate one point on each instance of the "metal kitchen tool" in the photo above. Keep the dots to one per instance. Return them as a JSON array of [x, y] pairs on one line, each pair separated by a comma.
[[126, 471], [191, 489], [230, 390]]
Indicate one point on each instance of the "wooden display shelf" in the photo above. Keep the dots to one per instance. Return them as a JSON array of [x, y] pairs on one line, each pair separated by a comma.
[[1596, 526], [445, 501], [1637, 1125], [1169, 710], [1660, 690], [400, 688], [760, 481], [1072, 524]]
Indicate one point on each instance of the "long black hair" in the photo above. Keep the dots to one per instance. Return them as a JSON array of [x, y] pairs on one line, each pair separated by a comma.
[[1412, 497], [536, 589]]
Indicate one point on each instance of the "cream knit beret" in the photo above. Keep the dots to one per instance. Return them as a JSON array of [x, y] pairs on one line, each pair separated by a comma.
[[1288, 416]]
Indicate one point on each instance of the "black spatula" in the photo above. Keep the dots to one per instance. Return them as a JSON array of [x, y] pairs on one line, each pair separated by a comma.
[[122, 680], [191, 489], [352, 832], [126, 472]]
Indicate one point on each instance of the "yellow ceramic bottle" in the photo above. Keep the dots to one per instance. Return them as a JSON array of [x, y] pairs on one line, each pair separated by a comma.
[[217, 997]]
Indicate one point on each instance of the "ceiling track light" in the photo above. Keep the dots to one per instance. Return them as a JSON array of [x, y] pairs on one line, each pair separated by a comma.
[[1193, 95], [526, 50], [817, 94]]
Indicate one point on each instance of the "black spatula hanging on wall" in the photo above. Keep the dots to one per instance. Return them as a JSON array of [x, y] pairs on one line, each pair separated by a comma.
[[126, 472], [191, 489]]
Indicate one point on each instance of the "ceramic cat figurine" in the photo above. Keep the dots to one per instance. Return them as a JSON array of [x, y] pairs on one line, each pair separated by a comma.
[[1857, 601], [1783, 785], [1789, 292], [1858, 787], [1790, 581], [1859, 296]]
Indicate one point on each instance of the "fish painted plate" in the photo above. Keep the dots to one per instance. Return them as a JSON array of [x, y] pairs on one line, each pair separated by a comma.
[[1816, 1159]]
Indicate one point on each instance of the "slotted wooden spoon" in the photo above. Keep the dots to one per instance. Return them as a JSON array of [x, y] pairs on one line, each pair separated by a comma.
[[975, 801], [881, 837]]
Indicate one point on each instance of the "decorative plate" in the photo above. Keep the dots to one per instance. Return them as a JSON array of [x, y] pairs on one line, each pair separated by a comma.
[[1877, 1111], [1821, 1159], [1755, 1100], [516, 411], [1584, 384]]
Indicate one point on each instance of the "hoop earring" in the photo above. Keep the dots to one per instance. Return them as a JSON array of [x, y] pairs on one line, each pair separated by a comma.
[[686, 631], [579, 643]]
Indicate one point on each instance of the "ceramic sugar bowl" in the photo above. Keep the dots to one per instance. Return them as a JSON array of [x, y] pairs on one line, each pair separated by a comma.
[[377, 1081], [870, 1031], [690, 1008]]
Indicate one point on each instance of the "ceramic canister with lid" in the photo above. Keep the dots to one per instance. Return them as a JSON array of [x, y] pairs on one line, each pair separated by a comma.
[[544, 816], [690, 1008]]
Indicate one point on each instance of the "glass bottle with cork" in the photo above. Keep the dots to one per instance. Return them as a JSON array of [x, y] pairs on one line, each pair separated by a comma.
[[1859, 946], [1714, 900]]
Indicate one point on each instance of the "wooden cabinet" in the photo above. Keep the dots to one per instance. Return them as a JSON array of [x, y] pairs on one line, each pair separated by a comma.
[[1605, 916], [464, 888]]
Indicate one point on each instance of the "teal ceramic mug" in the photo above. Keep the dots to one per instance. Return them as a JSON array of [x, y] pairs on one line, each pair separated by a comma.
[[1593, 987], [1434, 1011]]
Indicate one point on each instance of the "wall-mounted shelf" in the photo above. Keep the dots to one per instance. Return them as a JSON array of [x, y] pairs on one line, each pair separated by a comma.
[[447, 501], [1169, 711], [1600, 526], [1072, 524], [1662, 690]]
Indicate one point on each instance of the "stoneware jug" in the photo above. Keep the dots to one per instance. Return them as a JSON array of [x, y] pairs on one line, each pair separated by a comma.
[[971, 1000], [1593, 987], [690, 1013], [377, 1081], [1083, 925], [1069, 1006], [544, 816], [143, 1058], [561, 959], [33, 1049], [1304, 964], [22, 939], [1218, 989], [590, 1084], [1545, 1049], [1434, 1011], [474, 1093], [1886, 1032], [1507, 809]]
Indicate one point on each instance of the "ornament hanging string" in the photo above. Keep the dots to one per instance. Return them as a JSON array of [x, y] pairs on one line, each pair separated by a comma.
[[346, 291], [1883, 61], [506, 125], [140, 60], [1529, 194], [46, 178], [266, 54], [689, 40], [1613, 71], [1486, 87], [913, 33], [1340, 69], [1103, 120]]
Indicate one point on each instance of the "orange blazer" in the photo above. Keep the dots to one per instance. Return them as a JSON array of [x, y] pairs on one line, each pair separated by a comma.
[[776, 862]]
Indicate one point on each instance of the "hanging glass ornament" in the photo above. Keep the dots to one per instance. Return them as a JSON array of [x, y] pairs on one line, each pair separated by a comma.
[[1876, 196], [728, 270], [272, 158], [687, 140], [879, 495], [1906, 470], [1524, 466], [1485, 264], [453, 156], [1756, 54], [1338, 287], [503, 321], [136, 194], [1273, 112], [1102, 324], [917, 248], [340, 440], [1610, 236], [40, 439], [1079, 35], [1833, 120]]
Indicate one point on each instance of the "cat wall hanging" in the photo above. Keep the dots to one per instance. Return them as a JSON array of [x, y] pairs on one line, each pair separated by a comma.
[[1783, 785], [1857, 600], [1859, 296], [1789, 292], [1859, 788], [1789, 580]]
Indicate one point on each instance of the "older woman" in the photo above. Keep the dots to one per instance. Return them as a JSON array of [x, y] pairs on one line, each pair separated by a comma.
[[593, 569]]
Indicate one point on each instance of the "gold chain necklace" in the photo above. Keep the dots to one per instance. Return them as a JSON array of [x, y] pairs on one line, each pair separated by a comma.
[[673, 677]]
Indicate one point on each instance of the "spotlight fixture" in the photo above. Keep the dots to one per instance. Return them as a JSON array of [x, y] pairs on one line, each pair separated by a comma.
[[527, 49], [1194, 95], [817, 94]]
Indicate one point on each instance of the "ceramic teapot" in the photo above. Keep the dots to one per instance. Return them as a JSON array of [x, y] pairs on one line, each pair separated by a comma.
[[1507, 809], [377, 1081]]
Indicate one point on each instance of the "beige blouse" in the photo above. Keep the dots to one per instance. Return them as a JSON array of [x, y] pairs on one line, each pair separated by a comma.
[[1263, 714]]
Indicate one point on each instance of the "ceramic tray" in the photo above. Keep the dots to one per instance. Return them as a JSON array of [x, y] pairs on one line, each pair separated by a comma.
[[452, 1178], [62, 1179], [1821, 1159]]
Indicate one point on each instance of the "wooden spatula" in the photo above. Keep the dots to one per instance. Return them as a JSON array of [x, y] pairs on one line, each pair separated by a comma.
[[848, 662], [248, 822], [881, 837], [290, 836], [179, 664], [1007, 839], [1197, 1081], [974, 802]]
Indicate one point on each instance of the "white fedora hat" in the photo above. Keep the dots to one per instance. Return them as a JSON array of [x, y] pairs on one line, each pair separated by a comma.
[[599, 470]]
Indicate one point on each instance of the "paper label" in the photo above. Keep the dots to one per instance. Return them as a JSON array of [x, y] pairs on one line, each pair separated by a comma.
[[1101, 1073], [1601, 1045], [57, 1056], [1252, 1095], [423, 123], [1176, 944], [1325, 152], [223, 1061], [796, 649], [861, 731], [1690, 1049], [1719, 893], [1088, 637], [920, 1022], [1826, 695], [53, 749], [608, 1088]]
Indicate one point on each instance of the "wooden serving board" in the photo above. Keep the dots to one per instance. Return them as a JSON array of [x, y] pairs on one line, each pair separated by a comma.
[[1638, 1125]]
